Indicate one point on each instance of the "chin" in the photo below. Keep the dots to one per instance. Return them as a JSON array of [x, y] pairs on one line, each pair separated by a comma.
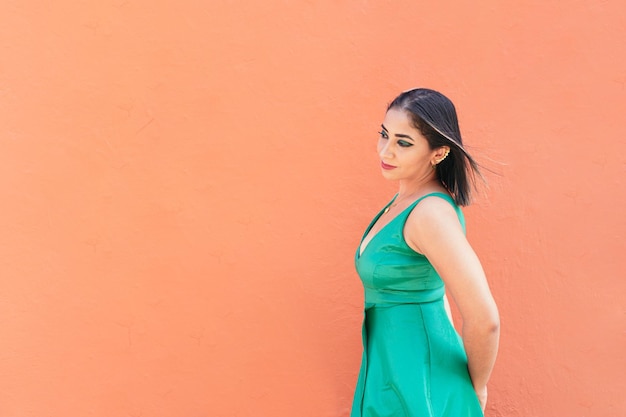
[[388, 175]]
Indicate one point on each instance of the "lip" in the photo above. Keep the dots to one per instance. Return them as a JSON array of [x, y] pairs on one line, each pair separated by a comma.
[[385, 166]]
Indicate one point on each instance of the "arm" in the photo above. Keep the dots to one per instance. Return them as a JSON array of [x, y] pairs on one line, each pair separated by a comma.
[[433, 229], [446, 305]]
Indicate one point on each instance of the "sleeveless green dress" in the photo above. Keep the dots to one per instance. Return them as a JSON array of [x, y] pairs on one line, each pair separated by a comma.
[[414, 363]]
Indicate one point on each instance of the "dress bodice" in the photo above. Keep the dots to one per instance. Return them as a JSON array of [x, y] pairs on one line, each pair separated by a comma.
[[392, 272]]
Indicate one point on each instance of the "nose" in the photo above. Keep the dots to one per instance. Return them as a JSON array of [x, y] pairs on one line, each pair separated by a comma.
[[385, 151]]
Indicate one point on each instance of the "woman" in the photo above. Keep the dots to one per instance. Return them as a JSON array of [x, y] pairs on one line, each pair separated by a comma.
[[414, 363]]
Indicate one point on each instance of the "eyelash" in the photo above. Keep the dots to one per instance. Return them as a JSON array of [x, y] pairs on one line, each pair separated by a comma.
[[402, 143]]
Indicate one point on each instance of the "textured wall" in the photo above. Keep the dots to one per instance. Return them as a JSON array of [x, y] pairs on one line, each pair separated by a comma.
[[184, 184]]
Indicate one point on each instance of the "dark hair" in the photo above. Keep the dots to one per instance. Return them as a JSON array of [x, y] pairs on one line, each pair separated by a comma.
[[434, 115]]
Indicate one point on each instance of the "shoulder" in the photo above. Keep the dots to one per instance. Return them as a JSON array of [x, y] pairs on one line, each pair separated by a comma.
[[435, 208], [434, 219]]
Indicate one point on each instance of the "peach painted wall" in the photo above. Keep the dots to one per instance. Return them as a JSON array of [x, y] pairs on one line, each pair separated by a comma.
[[184, 184]]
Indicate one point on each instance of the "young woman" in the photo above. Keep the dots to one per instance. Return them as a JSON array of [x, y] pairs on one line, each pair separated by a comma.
[[414, 362]]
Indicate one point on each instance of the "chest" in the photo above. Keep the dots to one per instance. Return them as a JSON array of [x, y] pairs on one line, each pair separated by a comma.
[[388, 263]]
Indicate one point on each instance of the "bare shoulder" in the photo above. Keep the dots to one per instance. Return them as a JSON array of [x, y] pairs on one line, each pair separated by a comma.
[[433, 210], [433, 219]]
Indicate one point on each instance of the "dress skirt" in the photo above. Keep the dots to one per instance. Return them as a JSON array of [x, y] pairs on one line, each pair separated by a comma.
[[414, 365]]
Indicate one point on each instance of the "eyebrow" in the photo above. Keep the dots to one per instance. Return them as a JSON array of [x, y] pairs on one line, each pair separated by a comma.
[[398, 135]]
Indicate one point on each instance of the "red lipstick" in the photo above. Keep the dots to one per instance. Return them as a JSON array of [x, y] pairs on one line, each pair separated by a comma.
[[385, 166]]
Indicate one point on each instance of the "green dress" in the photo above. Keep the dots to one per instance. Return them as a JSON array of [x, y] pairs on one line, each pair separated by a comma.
[[414, 363]]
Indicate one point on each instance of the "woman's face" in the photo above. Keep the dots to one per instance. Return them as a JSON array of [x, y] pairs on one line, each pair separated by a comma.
[[404, 153]]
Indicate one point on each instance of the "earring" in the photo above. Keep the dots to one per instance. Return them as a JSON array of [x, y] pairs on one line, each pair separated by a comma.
[[444, 157]]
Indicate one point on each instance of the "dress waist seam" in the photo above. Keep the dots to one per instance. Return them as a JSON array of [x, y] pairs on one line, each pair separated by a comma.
[[396, 304]]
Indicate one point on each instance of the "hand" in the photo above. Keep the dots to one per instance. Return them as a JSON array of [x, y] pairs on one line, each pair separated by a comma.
[[481, 393]]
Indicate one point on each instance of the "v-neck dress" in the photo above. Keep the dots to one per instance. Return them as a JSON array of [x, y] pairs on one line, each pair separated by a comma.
[[414, 363]]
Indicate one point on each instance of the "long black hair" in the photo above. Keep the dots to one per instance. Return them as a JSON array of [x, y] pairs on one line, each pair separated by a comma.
[[434, 115]]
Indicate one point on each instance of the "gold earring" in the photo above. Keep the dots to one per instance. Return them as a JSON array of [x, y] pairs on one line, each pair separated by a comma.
[[444, 157]]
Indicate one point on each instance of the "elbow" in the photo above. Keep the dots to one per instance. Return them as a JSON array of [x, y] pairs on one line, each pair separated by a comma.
[[492, 326], [489, 325], [483, 320], [491, 320]]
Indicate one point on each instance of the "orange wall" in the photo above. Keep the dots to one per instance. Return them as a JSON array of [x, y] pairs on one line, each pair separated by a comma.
[[184, 185]]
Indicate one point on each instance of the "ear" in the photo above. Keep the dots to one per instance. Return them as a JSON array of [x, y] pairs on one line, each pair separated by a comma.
[[440, 154]]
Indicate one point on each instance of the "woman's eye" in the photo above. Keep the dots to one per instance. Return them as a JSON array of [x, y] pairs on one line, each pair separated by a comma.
[[404, 143], [383, 135]]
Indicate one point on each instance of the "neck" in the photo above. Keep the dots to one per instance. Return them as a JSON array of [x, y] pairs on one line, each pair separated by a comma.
[[410, 188]]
